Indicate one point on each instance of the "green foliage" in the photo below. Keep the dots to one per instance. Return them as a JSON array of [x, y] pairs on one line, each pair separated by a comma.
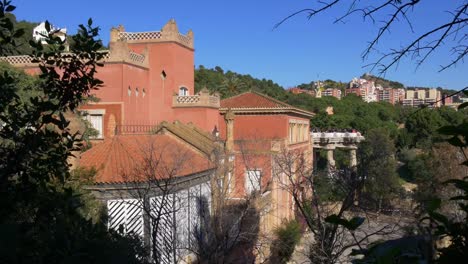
[[383, 82], [287, 236], [46, 216], [377, 165], [351, 225], [229, 83], [9, 34], [326, 188], [21, 45]]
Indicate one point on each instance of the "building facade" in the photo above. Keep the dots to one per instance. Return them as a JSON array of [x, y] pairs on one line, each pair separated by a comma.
[[148, 113], [420, 97]]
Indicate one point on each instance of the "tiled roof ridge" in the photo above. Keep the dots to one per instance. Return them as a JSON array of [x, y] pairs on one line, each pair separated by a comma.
[[237, 95], [272, 99], [280, 105], [187, 134], [201, 132], [283, 104], [201, 142]]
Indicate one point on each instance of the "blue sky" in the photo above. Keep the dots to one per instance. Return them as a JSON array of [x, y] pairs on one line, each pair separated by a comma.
[[239, 36]]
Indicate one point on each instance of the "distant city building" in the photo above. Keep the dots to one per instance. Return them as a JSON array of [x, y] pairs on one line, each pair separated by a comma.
[[388, 95], [332, 92], [447, 100], [40, 33], [419, 97], [296, 90], [363, 88]]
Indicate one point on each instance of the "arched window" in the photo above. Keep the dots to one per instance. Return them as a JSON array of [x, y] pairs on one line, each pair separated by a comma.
[[183, 91], [143, 93], [136, 92], [129, 91]]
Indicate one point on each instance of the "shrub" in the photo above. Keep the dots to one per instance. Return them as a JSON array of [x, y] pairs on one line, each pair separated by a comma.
[[287, 236]]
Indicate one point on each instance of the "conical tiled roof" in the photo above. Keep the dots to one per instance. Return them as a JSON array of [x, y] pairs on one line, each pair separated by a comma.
[[138, 158]]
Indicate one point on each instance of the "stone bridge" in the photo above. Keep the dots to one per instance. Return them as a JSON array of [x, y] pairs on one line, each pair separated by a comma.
[[330, 141]]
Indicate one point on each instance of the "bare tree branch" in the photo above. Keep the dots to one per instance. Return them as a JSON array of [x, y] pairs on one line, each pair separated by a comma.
[[420, 48]]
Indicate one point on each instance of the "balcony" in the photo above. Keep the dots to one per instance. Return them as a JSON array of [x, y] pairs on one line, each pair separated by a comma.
[[202, 99]]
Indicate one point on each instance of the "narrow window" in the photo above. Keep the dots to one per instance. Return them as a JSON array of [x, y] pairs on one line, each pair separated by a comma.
[[252, 181], [290, 133], [143, 93], [163, 75], [129, 91], [97, 123], [183, 91], [136, 92]]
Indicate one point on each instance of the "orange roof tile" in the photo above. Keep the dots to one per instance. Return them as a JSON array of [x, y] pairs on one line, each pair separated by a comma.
[[254, 101], [136, 158]]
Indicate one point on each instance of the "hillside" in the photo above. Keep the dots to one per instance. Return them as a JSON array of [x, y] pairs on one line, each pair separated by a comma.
[[325, 84], [23, 46], [381, 81], [229, 83]]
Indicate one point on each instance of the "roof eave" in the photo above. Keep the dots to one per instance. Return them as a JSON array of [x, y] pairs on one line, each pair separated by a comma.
[[257, 110]]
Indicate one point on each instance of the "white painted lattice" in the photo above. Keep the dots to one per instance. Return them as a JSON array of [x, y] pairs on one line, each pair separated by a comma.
[[140, 35], [184, 40], [136, 57], [22, 59], [188, 99], [162, 228], [126, 215]]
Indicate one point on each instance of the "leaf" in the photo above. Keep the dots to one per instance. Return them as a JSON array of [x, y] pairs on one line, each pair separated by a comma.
[[439, 217], [18, 33], [433, 204], [47, 26], [465, 104], [10, 8], [460, 184], [459, 197], [448, 130], [351, 225], [334, 219], [356, 222], [456, 141]]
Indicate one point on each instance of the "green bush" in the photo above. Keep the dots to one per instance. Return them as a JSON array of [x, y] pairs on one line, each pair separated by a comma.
[[287, 236]]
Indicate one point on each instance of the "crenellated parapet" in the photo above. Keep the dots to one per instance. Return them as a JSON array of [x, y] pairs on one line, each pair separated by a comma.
[[121, 53], [24, 61], [169, 33], [20, 60], [202, 99]]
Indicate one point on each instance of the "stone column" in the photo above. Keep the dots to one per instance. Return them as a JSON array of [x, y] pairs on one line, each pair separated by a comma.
[[331, 158], [229, 118], [331, 165], [352, 157]]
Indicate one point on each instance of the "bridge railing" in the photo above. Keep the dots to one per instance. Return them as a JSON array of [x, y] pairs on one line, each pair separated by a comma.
[[336, 137]]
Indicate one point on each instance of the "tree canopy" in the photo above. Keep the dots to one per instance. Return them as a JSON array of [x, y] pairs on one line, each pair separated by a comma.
[[44, 214]]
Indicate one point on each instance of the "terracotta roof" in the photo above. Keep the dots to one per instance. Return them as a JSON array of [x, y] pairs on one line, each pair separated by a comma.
[[189, 133], [255, 101], [137, 158], [252, 100]]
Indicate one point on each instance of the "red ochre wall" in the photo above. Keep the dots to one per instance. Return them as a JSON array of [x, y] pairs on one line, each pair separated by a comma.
[[257, 126], [250, 161], [112, 109], [177, 62], [202, 117], [253, 137]]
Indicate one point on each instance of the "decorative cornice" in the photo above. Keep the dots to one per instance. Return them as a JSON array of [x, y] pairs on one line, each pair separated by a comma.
[[169, 33], [268, 110]]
